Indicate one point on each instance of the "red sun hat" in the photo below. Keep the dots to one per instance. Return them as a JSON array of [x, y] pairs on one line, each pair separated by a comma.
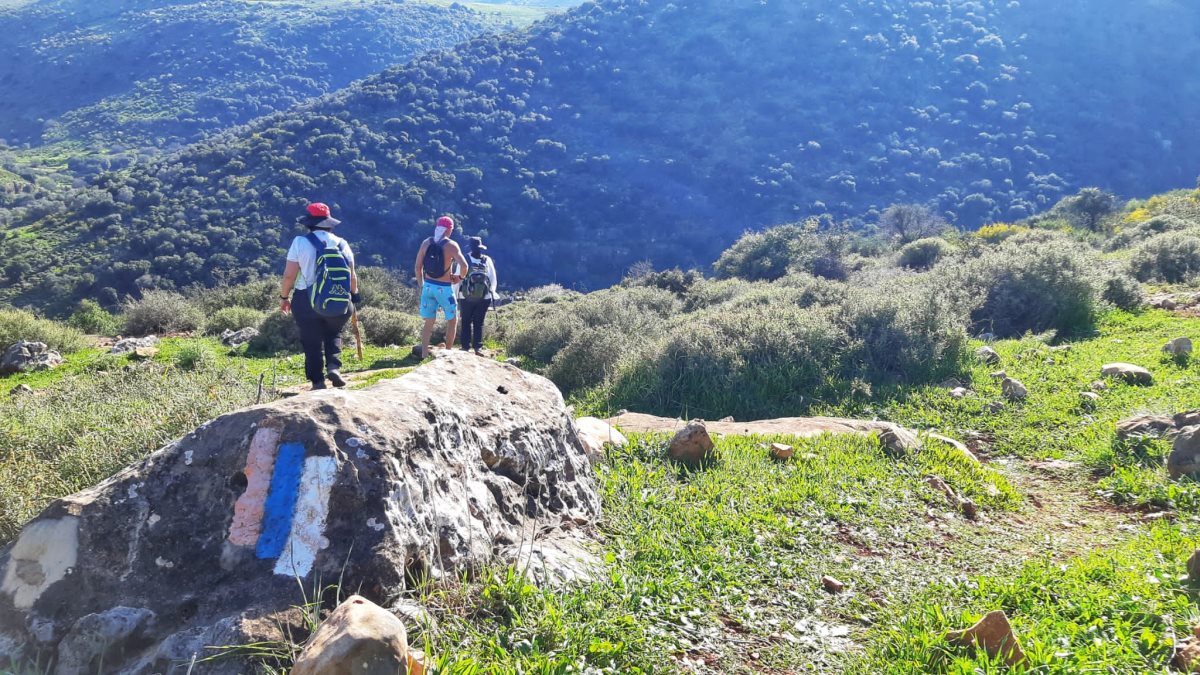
[[446, 222], [318, 210]]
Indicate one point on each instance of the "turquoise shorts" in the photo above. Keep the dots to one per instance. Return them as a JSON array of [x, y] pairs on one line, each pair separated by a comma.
[[436, 295]]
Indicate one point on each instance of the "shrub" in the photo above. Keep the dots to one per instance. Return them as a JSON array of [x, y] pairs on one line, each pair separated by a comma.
[[161, 312], [262, 295], [277, 333], [675, 280], [924, 253], [1173, 257], [1086, 209], [91, 318], [1036, 282], [1146, 229], [902, 332], [1123, 292], [998, 232], [17, 325], [383, 289], [910, 222], [233, 318], [549, 293], [384, 327], [769, 255], [590, 358], [194, 356]]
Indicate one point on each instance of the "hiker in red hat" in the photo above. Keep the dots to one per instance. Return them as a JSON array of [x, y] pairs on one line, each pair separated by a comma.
[[320, 289], [440, 265]]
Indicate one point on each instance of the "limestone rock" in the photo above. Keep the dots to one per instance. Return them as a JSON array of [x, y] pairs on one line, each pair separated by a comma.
[[1163, 301], [1127, 372], [358, 638], [994, 635], [1089, 398], [1144, 425], [446, 469], [951, 384], [832, 585], [1188, 418], [131, 345], [998, 375], [513, 361], [959, 393], [595, 434], [994, 407], [691, 445], [236, 338], [1184, 459], [1099, 385], [28, 357], [144, 353], [20, 390], [958, 446], [97, 638], [1180, 346], [1193, 566], [781, 451], [728, 419], [987, 355], [1013, 390]]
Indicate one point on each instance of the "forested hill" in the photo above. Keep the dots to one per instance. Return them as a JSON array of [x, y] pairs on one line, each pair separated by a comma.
[[119, 74], [659, 129]]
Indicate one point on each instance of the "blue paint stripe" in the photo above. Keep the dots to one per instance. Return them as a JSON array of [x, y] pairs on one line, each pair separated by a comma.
[[281, 501]]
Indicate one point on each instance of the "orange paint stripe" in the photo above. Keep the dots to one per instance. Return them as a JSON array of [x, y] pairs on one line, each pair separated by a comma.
[[248, 511]]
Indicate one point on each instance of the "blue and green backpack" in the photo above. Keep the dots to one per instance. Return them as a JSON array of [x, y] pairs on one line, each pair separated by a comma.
[[330, 291]]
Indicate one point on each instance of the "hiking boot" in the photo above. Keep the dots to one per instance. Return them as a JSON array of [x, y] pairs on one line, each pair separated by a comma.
[[336, 379], [478, 352], [319, 385]]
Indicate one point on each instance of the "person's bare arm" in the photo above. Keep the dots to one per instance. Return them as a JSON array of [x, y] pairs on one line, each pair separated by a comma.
[[461, 261], [289, 280], [420, 264]]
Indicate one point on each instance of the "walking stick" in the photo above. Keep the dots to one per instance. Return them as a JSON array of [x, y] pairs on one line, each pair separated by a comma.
[[357, 332]]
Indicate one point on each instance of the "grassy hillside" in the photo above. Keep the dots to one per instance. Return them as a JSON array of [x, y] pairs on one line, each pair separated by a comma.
[[622, 131]]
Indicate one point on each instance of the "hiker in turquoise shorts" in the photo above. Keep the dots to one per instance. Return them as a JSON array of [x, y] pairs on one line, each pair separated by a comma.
[[440, 265]]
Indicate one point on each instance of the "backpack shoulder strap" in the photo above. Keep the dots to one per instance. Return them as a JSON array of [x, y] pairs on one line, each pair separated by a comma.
[[316, 242]]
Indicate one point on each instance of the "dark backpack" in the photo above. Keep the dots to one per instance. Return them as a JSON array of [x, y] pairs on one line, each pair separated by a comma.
[[330, 291], [435, 258], [477, 285]]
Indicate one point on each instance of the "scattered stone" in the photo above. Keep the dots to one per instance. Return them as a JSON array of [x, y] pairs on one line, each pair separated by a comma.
[[130, 345], [97, 636], [898, 440], [1180, 346], [994, 407], [512, 361], [728, 419], [236, 338], [1155, 426], [1054, 465], [28, 357], [1189, 418], [832, 585], [20, 390], [691, 445], [1013, 389], [413, 613], [952, 383], [994, 635], [959, 393], [1187, 653], [999, 375], [1162, 302], [1099, 385], [782, 452], [1127, 372], [959, 447], [940, 485], [418, 663], [987, 337], [358, 638], [144, 353], [594, 434], [405, 478], [968, 508], [1184, 459], [1089, 398], [987, 355], [1193, 566]]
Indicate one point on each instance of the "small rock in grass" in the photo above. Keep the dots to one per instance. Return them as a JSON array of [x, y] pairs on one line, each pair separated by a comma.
[[28, 357], [1180, 346], [781, 451], [20, 390], [952, 383], [999, 375], [1099, 385], [1193, 566], [359, 637], [728, 419], [513, 361], [987, 337], [987, 355], [994, 635], [1187, 653], [968, 508], [130, 345], [1127, 372], [144, 353], [832, 585], [691, 445], [1089, 398], [959, 393], [1013, 389], [1144, 425], [994, 407], [898, 440], [1188, 418], [1184, 459]]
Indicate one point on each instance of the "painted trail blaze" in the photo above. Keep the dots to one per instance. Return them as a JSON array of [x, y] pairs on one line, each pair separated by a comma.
[[281, 501]]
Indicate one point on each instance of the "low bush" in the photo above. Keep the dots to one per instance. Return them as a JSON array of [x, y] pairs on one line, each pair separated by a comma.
[[385, 327], [384, 289], [550, 293], [277, 333], [590, 358], [93, 319], [262, 295], [1037, 281], [161, 312], [901, 332], [1142, 230], [675, 280], [1123, 292], [233, 318], [194, 356], [1173, 257], [924, 253], [769, 255], [17, 325]]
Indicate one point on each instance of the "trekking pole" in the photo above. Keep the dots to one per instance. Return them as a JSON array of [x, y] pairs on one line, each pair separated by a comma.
[[357, 332]]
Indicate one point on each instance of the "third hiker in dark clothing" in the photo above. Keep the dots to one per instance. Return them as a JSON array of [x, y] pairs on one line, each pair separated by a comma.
[[476, 294], [320, 330]]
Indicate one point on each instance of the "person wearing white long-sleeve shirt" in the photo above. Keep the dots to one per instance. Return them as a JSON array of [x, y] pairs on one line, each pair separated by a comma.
[[476, 294]]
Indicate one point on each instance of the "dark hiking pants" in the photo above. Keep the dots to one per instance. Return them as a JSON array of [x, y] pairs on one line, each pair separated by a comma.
[[321, 337], [470, 320]]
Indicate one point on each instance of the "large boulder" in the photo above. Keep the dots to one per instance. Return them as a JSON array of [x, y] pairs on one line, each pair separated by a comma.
[[454, 466], [27, 357], [237, 338]]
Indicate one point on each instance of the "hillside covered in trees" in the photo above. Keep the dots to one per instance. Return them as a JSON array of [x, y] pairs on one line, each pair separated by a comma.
[[119, 76], [631, 130]]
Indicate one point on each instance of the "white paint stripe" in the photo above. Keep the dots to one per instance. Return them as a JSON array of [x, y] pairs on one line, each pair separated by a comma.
[[307, 535]]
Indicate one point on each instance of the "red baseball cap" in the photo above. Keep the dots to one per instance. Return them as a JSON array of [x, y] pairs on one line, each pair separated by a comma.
[[318, 210]]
